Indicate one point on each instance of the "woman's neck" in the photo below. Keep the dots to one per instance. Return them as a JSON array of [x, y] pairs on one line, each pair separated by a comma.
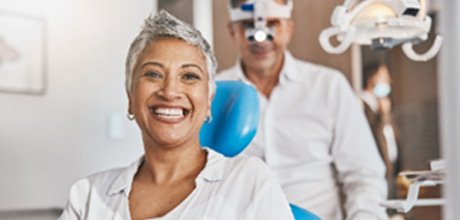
[[165, 165]]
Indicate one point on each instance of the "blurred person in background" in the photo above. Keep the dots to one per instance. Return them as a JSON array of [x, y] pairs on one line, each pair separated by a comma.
[[378, 110], [312, 131]]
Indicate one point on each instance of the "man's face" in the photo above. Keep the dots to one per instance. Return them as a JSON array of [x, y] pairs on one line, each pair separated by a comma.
[[266, 54]]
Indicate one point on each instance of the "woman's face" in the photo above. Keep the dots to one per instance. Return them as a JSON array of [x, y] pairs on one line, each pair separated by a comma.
[[169, 98]]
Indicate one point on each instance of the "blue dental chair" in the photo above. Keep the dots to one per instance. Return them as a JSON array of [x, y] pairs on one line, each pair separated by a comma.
[[235, 115]]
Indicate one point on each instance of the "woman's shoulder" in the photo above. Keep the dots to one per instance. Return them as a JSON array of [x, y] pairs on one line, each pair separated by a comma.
[[247, 167], [240, 163], [249, 163], [100, 180], [105, 175], [109, 176]]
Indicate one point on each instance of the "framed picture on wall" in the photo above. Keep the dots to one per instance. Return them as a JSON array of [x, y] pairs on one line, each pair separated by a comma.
[[22, 53]]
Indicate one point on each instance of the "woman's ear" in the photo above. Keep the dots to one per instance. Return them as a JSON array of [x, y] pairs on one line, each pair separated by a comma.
[[208, 112], [130, 111]]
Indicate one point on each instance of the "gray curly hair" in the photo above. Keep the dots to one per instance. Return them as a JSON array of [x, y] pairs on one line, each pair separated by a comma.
[[163, 25]]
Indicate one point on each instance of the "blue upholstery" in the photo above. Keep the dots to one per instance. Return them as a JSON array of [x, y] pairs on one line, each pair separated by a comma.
[[235, 115], [302, 214]]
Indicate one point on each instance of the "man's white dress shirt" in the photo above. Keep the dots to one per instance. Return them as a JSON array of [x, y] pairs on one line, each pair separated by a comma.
[[227, 188], [314, 135]]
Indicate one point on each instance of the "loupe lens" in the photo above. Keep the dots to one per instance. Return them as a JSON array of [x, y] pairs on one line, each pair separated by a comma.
[[260, 36]]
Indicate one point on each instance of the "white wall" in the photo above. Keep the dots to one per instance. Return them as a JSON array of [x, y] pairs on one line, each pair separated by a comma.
[[202, 18], [48, 141], [450, 105]]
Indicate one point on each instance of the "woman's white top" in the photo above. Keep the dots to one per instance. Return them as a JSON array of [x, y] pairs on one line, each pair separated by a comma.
[[227, 188]]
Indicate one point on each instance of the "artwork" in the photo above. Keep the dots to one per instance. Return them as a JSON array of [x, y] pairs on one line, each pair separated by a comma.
[[22, 54]]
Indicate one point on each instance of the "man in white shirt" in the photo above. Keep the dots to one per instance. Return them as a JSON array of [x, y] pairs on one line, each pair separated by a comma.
[[312, 131]]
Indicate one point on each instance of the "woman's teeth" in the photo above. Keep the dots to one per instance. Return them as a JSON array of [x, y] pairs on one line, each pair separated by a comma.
[[172, 113]]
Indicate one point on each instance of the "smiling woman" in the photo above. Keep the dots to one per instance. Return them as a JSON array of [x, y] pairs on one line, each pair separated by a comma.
[[170, 84], [170, 93]]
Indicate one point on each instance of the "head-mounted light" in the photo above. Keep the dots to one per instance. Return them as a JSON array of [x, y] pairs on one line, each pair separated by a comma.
[[259, 11], [381, 24]]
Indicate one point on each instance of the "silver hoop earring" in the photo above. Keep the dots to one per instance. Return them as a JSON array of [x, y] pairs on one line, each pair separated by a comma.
[[130, 116], [208, 119]]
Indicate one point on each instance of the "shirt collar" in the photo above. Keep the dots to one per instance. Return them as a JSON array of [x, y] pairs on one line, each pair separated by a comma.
[[124, 181], [289, 70], [212, 172], [238, 69]]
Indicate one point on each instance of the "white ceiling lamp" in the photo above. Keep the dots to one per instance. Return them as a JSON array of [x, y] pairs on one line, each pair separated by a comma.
[[381, 24]]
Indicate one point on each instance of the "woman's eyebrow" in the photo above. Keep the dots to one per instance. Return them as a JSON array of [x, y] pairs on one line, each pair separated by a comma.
[[187, 65], [192, 65], [152, 63]]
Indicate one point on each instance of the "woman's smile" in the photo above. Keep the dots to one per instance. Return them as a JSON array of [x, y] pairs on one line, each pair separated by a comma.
[[168, 114]]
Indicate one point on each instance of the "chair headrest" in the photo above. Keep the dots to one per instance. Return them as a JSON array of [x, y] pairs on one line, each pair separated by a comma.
[[235, 115]]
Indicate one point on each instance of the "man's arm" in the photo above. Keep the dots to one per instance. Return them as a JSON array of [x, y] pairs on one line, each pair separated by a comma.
[[269, 201], [359, 166]]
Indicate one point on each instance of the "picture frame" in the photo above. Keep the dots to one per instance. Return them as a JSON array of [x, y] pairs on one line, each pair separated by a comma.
[[22, 53]]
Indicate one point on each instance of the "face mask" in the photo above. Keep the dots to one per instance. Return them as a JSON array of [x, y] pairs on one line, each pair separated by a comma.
[[382, 89]]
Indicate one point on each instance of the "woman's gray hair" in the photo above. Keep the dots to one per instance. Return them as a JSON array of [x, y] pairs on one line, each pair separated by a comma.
[[163, 25]]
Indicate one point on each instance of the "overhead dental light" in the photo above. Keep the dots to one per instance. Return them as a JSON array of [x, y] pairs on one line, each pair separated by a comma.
[[381, 24], [258, 11]]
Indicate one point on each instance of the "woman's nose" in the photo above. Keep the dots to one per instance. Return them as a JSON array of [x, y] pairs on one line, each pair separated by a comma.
[[170, 89]]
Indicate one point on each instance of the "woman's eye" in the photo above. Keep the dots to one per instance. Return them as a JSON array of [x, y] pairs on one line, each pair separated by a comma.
[[152, 74], [191, 77]]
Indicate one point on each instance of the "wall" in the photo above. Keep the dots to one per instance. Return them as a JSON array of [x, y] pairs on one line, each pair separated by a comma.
[[48, 141], [416, 106], [449, 90], [180, 8]]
